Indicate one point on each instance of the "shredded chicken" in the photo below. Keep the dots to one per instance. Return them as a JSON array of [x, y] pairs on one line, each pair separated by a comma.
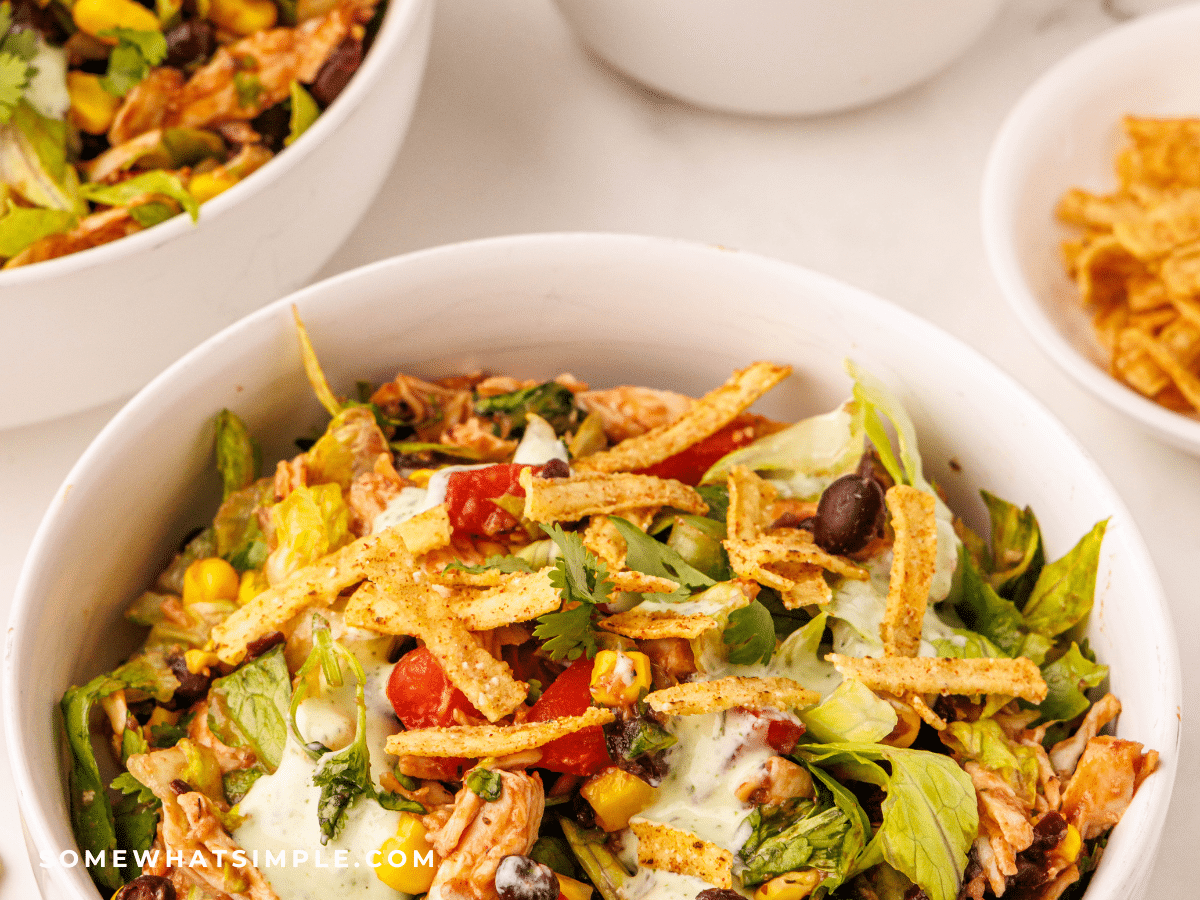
[[778, 781], [1105, 780], [92, 231], [671, 660], [478, 834], [1065, 754], [146, 104], [628, 411], [473, 433], [371, 492], [431, 406], [1004, 830], [1059, 883]]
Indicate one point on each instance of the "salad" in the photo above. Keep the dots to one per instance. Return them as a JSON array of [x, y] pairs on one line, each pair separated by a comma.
[[116, 115], [492, 638]]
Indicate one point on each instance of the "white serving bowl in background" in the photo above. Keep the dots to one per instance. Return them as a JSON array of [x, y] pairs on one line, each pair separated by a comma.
[[96, 325], [611, 310], [1065, 132], [778, 57]]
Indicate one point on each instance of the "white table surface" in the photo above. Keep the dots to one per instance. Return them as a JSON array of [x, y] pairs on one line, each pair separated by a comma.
[[519, 130]]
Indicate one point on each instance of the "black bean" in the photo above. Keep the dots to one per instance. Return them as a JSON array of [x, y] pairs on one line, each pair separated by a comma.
[[718, 894], [274, 124], [179, 786], [335, 74], [793, 520], [555, 468], [521, 878], [850, 513], [193, 40], [147, 887], [261, 645], [192, 686]]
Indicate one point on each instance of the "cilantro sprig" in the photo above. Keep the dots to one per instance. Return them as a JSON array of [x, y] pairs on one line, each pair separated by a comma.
[[18, 47], [136, 53], [582, 581]]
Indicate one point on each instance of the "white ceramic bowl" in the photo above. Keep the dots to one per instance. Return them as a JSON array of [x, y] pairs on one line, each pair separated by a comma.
[[779, 57], [1065, 132], [93, 326], [610, 309]]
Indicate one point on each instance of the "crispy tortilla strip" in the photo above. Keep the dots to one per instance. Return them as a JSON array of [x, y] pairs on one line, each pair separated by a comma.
[[663, 847], [709, 414], [904, 675], [1188, 383], [641, 583], [426, 531], [914, 555], [572, 499], [750, 499], [696, 697], [391, 606], [651, 625], [521, 597], [928, 716], [602, 538], [319, 583], [809, 587], [476, 741], [767, 558]]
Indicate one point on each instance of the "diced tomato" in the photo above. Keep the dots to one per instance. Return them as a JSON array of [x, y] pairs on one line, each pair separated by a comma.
[[783, 735], [581, 753], [423, 697], [469, 497], [690, 465]]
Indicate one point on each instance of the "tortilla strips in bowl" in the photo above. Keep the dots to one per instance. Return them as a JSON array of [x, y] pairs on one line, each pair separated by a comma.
[[490, 626]]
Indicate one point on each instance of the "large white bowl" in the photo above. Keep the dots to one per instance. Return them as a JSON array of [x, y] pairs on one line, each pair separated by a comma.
[[1065, 132], [93, 326], [612, 310], [779, 57]]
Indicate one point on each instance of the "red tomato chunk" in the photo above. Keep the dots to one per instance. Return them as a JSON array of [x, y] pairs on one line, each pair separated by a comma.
[[423, 697], [469, 497], [690, 465], [581, 753]]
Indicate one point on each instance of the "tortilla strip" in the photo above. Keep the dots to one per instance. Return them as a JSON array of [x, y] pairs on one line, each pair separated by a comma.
[[709, 414], [651, 625], [572, 499], [521, 597], [602, 538], [663, 847], [319, 583], [697, 697], [914, 556], [903, 675], [809, 587], [784, 547], [640, 583], [477, 741], [1188, 384], [426, 531], [399, 607], [750, 499]]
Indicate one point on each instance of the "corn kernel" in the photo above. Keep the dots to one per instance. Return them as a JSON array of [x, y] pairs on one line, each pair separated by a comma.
[[207, 185], [253, 583], [92, 107], [210, 579], [199, 661], [1072, 843], [95, 16], [620, 678], [616, 796], [421, 477], [572, 889], [790, 885], [406, 862], [243, 17]]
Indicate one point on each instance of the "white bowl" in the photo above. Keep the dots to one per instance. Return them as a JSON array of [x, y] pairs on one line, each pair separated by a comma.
[[93, 326], [1065, 132], [610, 309], [779, 57]]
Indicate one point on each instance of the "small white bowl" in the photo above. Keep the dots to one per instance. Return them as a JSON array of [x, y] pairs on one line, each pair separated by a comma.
[[1065, 132], [778, 57], [612, 310], [96, 325]]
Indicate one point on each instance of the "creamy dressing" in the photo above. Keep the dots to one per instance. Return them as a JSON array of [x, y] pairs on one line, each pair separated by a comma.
[[663, 885], [539, 444], [280, 810]]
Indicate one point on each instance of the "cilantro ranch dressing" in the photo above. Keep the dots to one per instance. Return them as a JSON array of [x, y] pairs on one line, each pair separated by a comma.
[[660, 884], [280, 810]]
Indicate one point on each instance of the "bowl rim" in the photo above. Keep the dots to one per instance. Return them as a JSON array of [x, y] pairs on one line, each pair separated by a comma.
[[666, 251], [399, 22], [998, 216]]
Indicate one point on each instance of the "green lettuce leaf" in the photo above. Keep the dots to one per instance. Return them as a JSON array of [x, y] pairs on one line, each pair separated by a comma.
[[929, 814], [1066, 678], [349, 447], [985, 742], [149, 183], [987, 613], [1065, 589], [553, 402], [249, 707], [239, 458], [21, 226], [750, 635], [240, 539], [33, 161], [304, 111], [1016, 549], [309, 523], [131, 60], [852, 712]]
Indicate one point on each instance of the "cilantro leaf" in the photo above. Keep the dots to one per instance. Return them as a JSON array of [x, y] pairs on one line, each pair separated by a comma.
[[485, 783], [506, 564], [17, 49], [645, 554], [582, 581], [750, 635], [131, 60]]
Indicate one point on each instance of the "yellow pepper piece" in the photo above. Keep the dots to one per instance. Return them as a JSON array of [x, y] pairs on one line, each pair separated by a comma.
[[620, 678], [95, 16], [199, 661], [253, 583], [206, 185], [406, 862], [243, 17], [616, 797], [92, 107], [572, 889], [1072, 843], [790, 885], [421, 477], [210, 579]]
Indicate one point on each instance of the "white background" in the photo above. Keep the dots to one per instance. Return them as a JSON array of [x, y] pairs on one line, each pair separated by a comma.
[[519, 130]]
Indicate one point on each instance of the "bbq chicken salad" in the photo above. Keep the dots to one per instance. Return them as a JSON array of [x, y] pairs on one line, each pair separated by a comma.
[[489, 638]]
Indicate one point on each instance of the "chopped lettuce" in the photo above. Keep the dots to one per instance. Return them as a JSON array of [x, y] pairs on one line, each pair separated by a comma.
[[239, 457], [148, 184], [551, 401], [130, 61], [22, 226], [1016, 554], [349, 447], [33, 161], [249, 707], [304, 111], [750, 635], [240, 539], [985, 742], [309, 522], [852, 712], [1065, 589], [1066, 678]]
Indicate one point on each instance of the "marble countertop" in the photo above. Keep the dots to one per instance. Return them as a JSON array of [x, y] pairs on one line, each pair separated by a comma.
[[520, 130]]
